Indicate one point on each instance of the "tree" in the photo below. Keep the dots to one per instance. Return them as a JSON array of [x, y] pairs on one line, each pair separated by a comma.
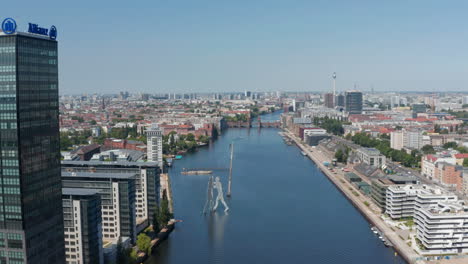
[[465, 162], [428, 149], [123, 254], [133, 256], [190, 137], [339, 155], [164, 213], [144, 243], [451, 145], [156, 223]]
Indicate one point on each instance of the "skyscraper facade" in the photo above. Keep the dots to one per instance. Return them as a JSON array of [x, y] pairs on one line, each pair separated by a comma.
[[31, 218], [353, 102], [155, 146], [340, 100], [328, 100]]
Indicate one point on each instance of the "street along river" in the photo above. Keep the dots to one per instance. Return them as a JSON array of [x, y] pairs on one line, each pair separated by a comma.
[[282, 209]]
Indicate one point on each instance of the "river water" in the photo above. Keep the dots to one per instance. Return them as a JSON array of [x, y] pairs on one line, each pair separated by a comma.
[[282, 209]]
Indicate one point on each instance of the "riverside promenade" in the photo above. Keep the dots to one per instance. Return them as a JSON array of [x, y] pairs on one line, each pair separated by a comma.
[[360, 201]]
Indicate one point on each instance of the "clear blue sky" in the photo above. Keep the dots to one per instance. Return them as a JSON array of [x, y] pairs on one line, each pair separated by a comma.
[[262, 45]]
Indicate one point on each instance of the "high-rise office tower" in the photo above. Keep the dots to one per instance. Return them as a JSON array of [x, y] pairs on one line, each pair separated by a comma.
[[328, 100], [154, 144], [418, 108], [353, 102], [31, 218], [340, 100]]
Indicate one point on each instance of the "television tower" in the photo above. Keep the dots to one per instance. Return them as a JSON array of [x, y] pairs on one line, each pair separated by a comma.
[[334, 88]]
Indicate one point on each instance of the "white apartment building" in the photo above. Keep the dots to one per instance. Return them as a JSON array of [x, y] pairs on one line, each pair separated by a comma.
[[154, 144], [413, 139], [465, 100], [396, 139], [406, 139], [371, 156], [402, 200], [443, 228]]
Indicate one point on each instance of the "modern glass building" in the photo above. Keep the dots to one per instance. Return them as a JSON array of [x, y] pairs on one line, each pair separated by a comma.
[[353, 102], [31, 218], [147, 182], [118, 201], [83, 226]]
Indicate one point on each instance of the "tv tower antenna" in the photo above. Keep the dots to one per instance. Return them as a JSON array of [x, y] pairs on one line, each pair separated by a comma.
[[334, 88]]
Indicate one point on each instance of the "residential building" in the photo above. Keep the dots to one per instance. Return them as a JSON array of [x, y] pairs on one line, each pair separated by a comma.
[[31, 221], [147, 182], [395, 101], [397, 139], [353, 102], [83, 226], [371, 156], [413, 139], [401, 200], [450, 175], [118, 201], [155, 145], [443, 228], [429, 162], [410, 139], [379, 192]]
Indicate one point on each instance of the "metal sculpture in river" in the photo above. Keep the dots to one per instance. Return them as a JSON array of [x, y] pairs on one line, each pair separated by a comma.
[[211, 204]]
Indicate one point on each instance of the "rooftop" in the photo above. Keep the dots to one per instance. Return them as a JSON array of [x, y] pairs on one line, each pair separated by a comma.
[[103, 175], [114, 163], [78, 191]]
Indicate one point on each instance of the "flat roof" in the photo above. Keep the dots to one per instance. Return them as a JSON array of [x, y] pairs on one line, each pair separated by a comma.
[[79, 191], [27, 34], [98, 175], [116, 163]]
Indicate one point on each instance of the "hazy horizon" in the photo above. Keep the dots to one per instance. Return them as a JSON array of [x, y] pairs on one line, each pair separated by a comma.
[[210, 46]]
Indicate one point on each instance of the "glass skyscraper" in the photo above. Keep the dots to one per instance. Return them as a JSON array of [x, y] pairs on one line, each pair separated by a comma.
[[353, 102], [31, 220]]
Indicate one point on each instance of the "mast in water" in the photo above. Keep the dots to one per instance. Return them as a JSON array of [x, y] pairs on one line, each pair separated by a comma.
[[230, 171]]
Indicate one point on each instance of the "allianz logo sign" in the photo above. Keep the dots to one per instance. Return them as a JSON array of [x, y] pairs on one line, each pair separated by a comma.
[[9, 27]]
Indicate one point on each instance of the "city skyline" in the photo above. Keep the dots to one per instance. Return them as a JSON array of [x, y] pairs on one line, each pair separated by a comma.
[[196, 47]]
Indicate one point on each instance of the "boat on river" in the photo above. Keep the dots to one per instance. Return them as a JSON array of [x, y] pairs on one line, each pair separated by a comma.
[[197, 172]]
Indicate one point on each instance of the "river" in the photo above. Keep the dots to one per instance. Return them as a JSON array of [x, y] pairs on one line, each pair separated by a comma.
[[282, 209]]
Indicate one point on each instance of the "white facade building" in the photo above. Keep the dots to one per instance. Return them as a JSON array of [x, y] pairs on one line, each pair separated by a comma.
[[396, 139], [443, 228], [413, 139], [402, 200], [154, 144], [406, 139], [371, 156]]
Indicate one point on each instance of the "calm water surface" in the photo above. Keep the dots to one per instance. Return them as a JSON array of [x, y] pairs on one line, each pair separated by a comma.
[[283, 209]]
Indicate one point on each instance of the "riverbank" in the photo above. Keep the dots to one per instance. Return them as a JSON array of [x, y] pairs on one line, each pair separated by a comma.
[[156, 241], [272, 184], [359, 201]]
